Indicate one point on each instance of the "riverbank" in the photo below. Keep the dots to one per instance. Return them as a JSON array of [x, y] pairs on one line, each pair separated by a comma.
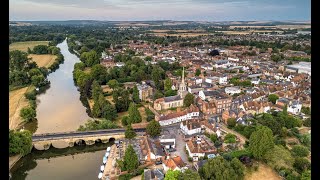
[[13, 160]]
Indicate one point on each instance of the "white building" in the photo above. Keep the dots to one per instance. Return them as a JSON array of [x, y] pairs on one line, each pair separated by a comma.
[[190, 127], [168, 141], [301, 67], [255, 81], [190, 113], [295, 107], [232, 90]]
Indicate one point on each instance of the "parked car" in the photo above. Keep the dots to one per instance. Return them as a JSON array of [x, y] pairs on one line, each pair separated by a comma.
[[172, 149]]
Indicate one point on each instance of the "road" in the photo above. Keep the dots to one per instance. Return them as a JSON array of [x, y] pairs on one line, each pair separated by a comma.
[[75, 134]]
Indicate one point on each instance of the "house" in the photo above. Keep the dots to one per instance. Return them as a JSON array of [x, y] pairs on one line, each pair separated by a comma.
[[301, 67], [153, 174], [191, 112], [151, 150], [175, 163], [222, 64], [232, 90], [293, 106], [145, 91], [199, 146], [120, 64], [221, 100], [168, 141], [190, 127], [194, 89], [206, 107], [255, 81], [207, 67]]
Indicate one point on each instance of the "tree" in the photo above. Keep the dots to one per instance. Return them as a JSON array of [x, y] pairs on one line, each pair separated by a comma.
[[188, 100], [99, 73], [301, 164], [170, 93], [230, 138], [148, 58], [219, 168], [109, 111], [130, 160], [198, 72], [167, 84], [189, 175], [17, 60], [134, 114], [153, 128], [121, 99], [40, 49], [113, 83], [20, 142], [306, 110], [157, 74], [261, 141], [273, 98], [37, 80], [172, 175], [124, 120], [279, 158], [300, 151], [28, 114], [231, 122], [90, 58], [306, 175], [96, 91], [135, 95], [307, 122], [130, 133]]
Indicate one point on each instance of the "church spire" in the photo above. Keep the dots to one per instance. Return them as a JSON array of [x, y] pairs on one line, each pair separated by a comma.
[[182, 75]]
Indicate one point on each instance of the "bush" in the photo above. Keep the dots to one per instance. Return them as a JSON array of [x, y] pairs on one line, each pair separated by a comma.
[[301, 164], [28, 114], [300, 151], [231, 122], [20, 142]]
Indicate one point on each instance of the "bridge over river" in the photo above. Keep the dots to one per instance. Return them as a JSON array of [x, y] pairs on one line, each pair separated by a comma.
[[69, 139]]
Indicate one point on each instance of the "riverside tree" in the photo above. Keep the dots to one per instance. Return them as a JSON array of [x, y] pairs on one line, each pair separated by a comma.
[[135, 95], [130, 133], [20, 142], [130, 160], [28, 114]]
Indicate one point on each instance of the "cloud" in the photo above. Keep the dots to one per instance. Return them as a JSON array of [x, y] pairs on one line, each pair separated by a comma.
[[159, 9]]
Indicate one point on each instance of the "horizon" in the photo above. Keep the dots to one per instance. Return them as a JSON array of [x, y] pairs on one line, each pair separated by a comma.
[[262, 21], [157, 10]]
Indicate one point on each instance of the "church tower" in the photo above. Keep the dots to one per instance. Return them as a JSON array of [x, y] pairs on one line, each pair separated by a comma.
[[182, 87]]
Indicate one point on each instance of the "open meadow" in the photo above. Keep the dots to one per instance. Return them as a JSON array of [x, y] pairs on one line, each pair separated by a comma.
[[23, 46], [43, 60]]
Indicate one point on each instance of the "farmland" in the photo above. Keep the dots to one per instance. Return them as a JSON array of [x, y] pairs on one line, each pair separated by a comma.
[[43, 60]]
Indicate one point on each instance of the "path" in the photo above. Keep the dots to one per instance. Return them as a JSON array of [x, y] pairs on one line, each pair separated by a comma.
[[240, 136]]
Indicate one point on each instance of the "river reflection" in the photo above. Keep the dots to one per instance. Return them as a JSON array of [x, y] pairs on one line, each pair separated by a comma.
[[79, 162], [59, 108]]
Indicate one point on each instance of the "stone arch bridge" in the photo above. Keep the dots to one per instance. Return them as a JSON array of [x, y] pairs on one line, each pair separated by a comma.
[[69, 139]]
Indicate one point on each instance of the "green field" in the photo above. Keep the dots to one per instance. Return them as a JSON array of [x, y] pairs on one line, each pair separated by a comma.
[[23, 46]]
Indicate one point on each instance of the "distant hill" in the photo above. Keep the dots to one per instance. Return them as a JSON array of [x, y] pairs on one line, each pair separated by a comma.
[[160, 22]]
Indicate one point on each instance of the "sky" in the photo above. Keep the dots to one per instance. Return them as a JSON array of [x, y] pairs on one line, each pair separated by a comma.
[[184, 10]]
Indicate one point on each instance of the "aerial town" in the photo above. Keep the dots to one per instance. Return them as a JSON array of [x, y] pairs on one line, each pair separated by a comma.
[[202, 96]]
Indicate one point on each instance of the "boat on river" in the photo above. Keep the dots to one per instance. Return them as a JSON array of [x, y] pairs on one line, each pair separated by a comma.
[[102, 168], [108, 149], [100, 175], [105, 159]]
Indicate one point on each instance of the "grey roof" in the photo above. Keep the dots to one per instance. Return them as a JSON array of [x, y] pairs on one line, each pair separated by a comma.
[[215, 94], [172, 98], [150, 174], [220, 62], [168, 136]]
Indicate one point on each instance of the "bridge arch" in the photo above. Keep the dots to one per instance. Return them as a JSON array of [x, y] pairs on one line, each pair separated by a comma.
[[80, 142], [112, 139], [98, 140]]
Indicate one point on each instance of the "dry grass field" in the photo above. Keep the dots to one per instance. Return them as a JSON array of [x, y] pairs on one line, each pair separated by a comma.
[[17, 101], [23, 46], [264, 172], [178, 31], [43, 60]]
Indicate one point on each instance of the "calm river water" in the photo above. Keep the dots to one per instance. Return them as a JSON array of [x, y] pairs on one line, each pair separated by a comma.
[[61, 110]]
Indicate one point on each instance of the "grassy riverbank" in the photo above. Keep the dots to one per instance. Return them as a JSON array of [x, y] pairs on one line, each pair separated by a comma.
[[23, 46]]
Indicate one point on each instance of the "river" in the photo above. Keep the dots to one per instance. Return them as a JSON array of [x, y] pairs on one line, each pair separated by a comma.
[[59, 110]]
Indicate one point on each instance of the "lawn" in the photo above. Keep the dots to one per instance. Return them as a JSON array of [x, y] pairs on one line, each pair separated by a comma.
[[43, 60], [23, 46], [264, 172], [17, 101]]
